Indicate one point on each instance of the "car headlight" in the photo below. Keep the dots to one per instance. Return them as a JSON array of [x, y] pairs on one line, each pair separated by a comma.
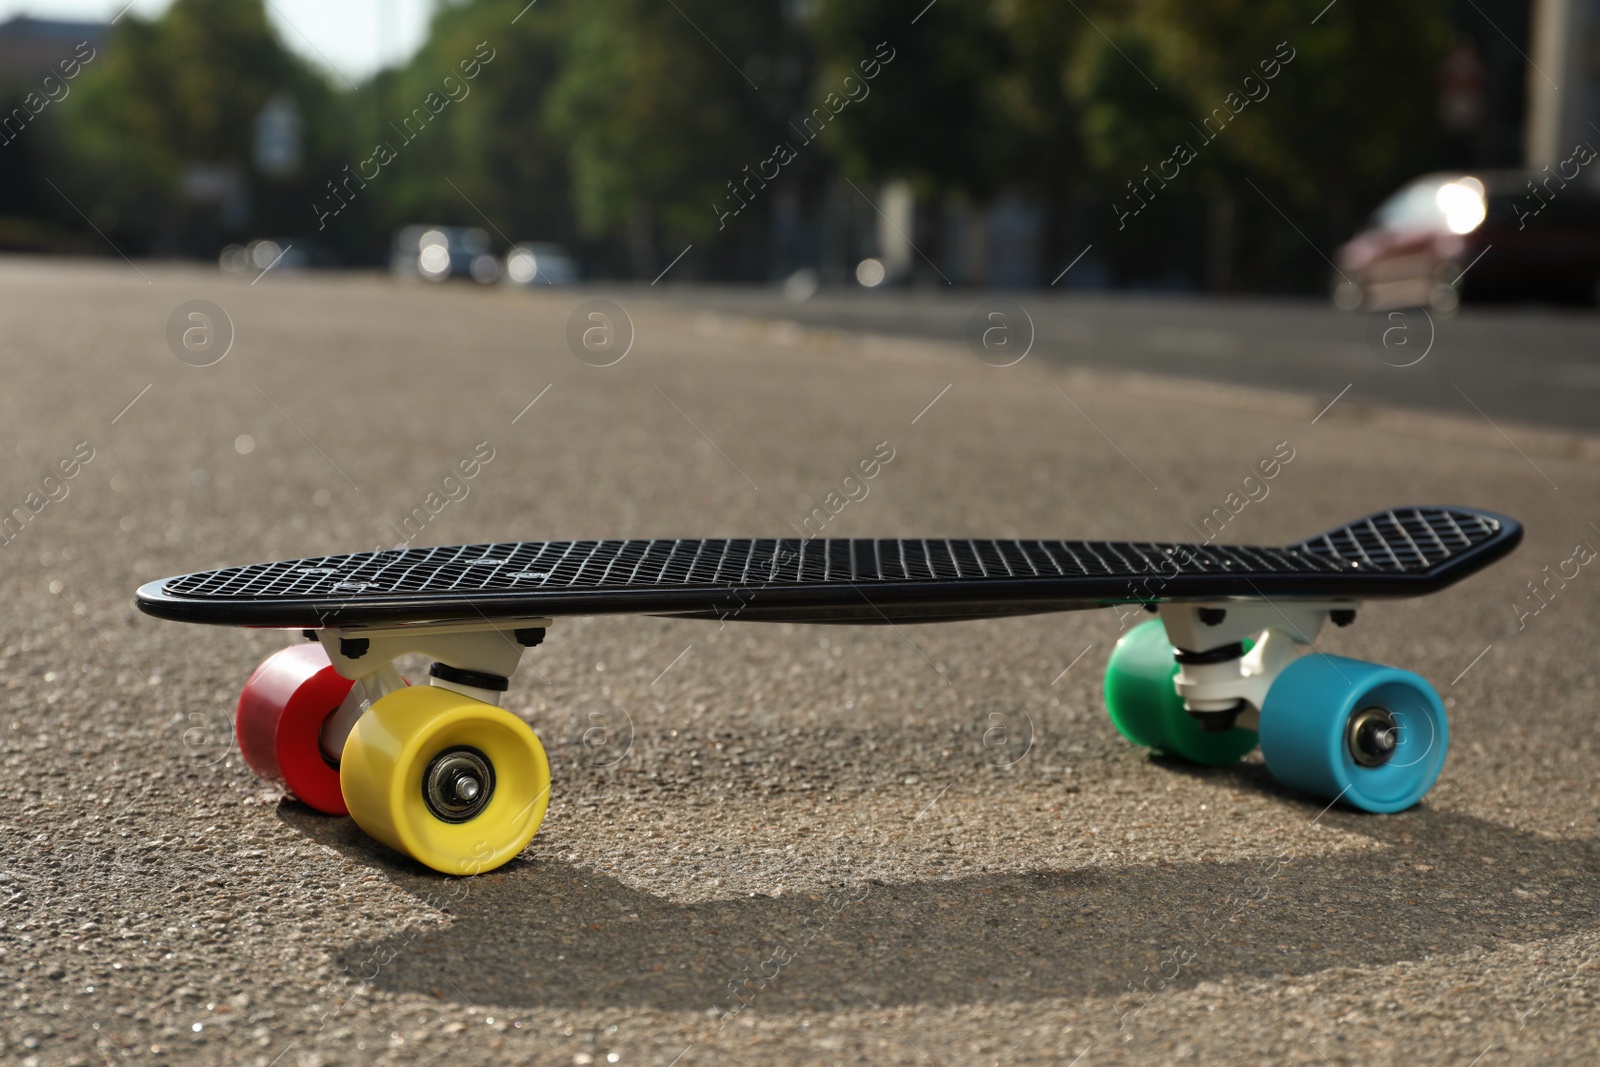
[[434, 261], [1462, 202], [522, 266]]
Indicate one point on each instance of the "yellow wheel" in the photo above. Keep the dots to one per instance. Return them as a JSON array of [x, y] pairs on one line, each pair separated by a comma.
[[453, 782]]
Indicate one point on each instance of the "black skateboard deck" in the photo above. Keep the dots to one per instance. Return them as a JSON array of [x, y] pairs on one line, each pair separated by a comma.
[[1402, 552]]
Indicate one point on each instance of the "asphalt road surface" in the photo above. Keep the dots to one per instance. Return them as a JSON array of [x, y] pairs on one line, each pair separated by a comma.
[[1532, 364], [936, 828]]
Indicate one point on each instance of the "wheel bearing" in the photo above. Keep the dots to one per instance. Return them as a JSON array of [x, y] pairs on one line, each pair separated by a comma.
[[458, 784], [1372, 736]]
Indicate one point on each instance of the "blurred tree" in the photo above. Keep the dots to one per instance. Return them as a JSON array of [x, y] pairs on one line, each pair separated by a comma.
[[186, 90], [1042, 120], [638, 126], [1355, 101], [1346, 115], [943, 109], [489, 157], [1128, 122], [664, 107]]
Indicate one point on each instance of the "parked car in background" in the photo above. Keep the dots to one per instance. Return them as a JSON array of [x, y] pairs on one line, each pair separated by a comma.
[[438, 253], [1488, 235], [257, 258], [539, 263]]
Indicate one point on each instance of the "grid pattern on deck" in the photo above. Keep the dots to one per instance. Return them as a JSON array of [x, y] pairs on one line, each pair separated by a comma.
[[1402, 541]]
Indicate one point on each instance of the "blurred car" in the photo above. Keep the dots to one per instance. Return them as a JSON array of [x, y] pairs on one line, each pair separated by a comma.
[[539, 263], [438, 253], [258, 257], [1505, 234]]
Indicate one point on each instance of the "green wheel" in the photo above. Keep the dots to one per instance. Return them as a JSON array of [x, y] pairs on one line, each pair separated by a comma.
[[1146, 709]]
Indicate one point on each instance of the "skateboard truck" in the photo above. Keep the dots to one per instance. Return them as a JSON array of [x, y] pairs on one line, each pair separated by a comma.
[[1222, 685], [474, 659]]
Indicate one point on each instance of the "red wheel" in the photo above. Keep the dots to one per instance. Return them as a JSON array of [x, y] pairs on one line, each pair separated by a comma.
[[281, 713]]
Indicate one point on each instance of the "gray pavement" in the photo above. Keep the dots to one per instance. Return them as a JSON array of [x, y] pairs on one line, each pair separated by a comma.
[[834, 799], [1533, 364]]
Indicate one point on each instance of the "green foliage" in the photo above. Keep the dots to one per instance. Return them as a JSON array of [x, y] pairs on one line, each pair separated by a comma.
[[1352, 109], [490, 151], [657, 104], [1128, 121], [937, 113], [640, 122], [1044, 148], [185, 89]]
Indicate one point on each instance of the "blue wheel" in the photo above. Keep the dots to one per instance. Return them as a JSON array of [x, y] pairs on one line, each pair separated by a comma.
[[1370, 736]]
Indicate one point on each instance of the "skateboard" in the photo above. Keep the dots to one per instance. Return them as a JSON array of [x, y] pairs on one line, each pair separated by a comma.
[[441, 773]]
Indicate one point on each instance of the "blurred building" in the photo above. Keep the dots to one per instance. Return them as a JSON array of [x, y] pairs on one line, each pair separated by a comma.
[[1563, 80], [31, 48], [32, 217]]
